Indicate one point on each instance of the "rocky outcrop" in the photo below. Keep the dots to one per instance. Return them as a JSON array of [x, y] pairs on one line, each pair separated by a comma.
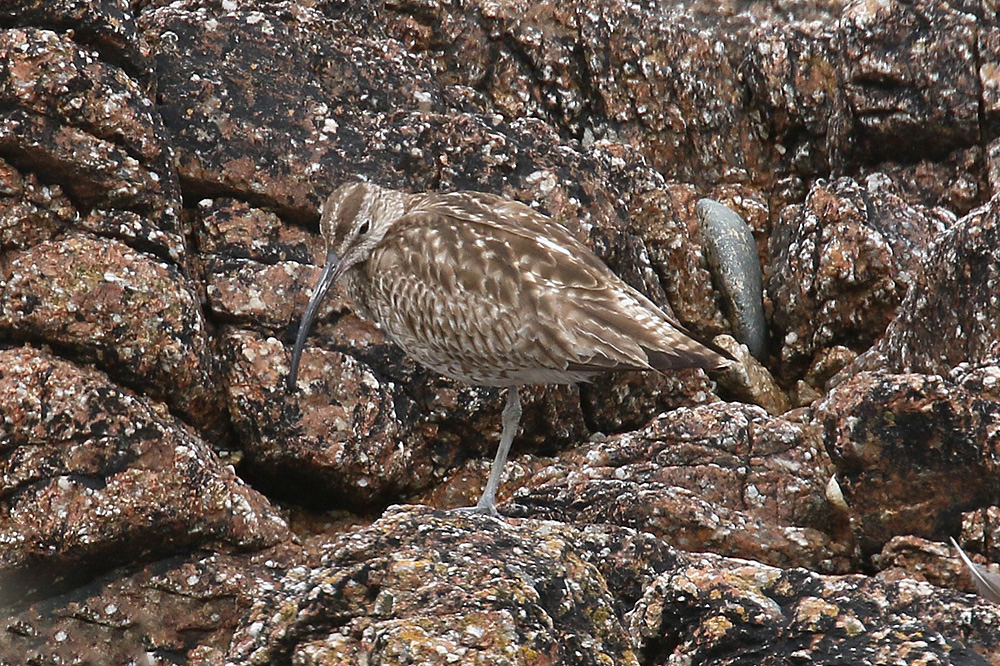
[[164, 499]]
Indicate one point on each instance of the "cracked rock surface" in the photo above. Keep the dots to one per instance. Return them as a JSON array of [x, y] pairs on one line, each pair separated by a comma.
[[165, 500]]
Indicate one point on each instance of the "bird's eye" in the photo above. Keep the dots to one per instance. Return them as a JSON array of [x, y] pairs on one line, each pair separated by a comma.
[[363, 229]]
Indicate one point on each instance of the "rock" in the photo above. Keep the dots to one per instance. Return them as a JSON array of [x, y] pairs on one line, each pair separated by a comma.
[[96, 477], [91, 129], [182, 606], [732, 256], [31, 211], [791, 72], [903, 81], [136, 317], [720, 477], [951, 315], [748, 381], [841, 265], [161, 168], [426, 587], [662, 81], [352, 436], [107, 26], [251, 265], [232, 229], [910, 557], [953, 183], [980, 532], [336, 440], [900, 442], [217, 71], [625, 401], [710, 609], [666, 218]]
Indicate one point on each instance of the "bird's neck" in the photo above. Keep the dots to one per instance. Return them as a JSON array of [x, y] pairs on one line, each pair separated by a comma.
[[355, 287]]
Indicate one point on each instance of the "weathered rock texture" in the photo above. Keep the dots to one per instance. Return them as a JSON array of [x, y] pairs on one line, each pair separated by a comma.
[[725, 478], [162, 165], [842, 262], [900, 440], [952, 314], [416, 586]]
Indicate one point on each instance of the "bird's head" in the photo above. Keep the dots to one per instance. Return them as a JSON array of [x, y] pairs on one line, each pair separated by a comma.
[[356, 216]]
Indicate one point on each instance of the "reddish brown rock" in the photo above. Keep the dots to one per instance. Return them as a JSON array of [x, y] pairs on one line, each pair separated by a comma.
[[356, 437], [791, 71], [912, 452], [94, 477], [952, 313], [84, 144], [48, 74], [136, 317], [235, 230], [626, 401], [981, 532], [653, 78], [30, 211], [666, 220], [841, 265], [563, 106], [913, 558], [939, 563], [251, 265], [673, 86], [178, 608], [907, 77], [720, 477], [336, 440], [108, 26], [87, 126], [258, 103], [956, 183], [253, 294]]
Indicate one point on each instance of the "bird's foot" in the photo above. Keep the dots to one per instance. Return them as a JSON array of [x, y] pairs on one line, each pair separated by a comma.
[[478, 509]]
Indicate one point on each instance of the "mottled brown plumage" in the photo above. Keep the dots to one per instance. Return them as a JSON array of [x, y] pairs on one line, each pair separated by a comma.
[[488, 291]]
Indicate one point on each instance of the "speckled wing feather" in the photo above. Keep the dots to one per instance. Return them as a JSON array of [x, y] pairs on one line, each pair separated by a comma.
[[613, 302], [486, 290]]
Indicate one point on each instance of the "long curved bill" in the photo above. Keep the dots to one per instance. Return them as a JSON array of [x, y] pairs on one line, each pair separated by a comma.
[[327, 278]]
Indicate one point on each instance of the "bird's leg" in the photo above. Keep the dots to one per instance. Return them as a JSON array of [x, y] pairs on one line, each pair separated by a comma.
[[511, 418]]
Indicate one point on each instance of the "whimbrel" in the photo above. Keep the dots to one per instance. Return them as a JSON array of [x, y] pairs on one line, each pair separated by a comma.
[[487, 291]]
